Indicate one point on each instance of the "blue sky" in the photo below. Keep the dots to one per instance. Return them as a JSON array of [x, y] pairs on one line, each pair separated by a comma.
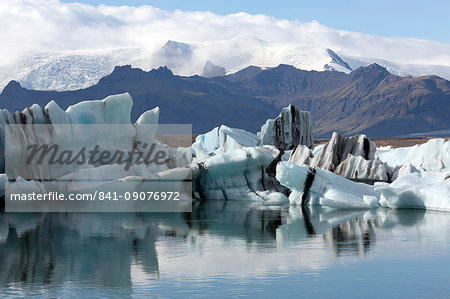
[[391, 18]]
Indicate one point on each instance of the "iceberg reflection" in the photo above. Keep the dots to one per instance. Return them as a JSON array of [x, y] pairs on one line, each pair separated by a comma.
[[108, 249]]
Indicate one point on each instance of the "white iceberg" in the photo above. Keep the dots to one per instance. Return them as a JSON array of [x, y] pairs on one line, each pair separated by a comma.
[[133, 160], [222, 139], [315, 186], [291, 128], [228, 163], [104, 124], [237, 175], [427, 190], [431, 156]]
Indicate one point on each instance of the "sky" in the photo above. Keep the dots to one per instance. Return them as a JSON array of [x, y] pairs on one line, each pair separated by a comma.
[[391, 18], [399, 31]]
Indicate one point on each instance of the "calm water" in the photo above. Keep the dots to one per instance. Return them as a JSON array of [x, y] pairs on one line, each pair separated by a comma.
[[223, 249]]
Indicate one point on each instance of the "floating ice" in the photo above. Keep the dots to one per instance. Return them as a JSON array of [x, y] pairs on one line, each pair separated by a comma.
[[237, 175], [292, 127], [356, 167], [232, 164], [221, 140], [427, 190], [402, 170], [431, 156], [103, 124], [83, 125], [315, 186], [351, 157]]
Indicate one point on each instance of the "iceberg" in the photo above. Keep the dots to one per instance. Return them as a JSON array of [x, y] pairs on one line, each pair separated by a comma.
[[221, 140], [399, 171], [276, 166], [63, 142], [433, 155], [351, 157], [239, 174], [427, 190], [292, 127], [315, 186], [356, 167], [339, 148], [79, 125], [231, 164]]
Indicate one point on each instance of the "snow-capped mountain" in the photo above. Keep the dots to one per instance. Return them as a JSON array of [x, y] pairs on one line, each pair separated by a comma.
[[75, 70], [413, 70]]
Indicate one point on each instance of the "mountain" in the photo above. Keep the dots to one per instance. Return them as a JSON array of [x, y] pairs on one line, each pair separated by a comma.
[[368, 100], [203, 102], [77, 69], [71, 71]]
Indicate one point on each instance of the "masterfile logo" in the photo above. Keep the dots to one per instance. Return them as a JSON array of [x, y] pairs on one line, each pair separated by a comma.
[[92, 168], [56, 155]]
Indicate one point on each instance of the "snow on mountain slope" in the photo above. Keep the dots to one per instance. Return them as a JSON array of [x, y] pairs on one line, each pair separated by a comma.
[[70, 71], [71, 45], [78, 69], [414, 70]]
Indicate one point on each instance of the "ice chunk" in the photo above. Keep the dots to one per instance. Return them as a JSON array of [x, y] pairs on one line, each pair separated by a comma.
[[286, 155], [300, 155], [400, 171], [221, 140], [79, 128], [115, 109], [356, 167], [237, 175], [54, 114], [292, 127], [317, 149], [315, 186], [427, 190], [150, 117], [339, 148], [351, 157], [431, 156]]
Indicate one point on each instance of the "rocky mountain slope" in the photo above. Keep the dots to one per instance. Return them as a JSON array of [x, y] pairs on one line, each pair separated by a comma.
[[368, 100]]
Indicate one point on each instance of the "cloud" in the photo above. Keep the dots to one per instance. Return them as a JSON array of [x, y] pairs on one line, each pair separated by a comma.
[[44, 26]]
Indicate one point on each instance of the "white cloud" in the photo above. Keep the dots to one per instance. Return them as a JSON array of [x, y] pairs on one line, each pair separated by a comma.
[[42, 26]]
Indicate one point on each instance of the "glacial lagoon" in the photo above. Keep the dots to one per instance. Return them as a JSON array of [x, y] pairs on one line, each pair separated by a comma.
[[227, 248]]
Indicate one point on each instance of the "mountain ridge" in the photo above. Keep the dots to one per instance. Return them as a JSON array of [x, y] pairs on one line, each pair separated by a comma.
[[73, 70], [368, 100]]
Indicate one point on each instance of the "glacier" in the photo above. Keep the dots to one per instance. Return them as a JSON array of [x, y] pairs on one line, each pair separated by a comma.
[[66, 70], [72, 70]]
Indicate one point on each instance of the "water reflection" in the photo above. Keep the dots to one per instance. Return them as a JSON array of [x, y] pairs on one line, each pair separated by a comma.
[[108, 249], [55, 248]]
